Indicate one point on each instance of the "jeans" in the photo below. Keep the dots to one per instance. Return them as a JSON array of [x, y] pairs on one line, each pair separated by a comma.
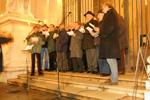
[[45, 51], [114, 69], [104, 67]]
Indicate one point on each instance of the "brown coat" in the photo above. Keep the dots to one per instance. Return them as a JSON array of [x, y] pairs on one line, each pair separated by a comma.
[[109, 45], [75, 45], [123, 33]]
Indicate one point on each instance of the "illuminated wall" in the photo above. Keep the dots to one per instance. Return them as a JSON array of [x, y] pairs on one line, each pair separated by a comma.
[[49, 11], [2, 6]]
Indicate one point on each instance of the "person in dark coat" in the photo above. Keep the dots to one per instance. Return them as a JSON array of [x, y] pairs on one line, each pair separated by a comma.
[[88, 42], [62, 48], [104, 68], [124, 44], [3, 40], [109, 47], [76, 51], [51, 47]]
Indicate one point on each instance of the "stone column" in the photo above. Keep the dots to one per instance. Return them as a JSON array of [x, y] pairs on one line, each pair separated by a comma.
[[18, 21]]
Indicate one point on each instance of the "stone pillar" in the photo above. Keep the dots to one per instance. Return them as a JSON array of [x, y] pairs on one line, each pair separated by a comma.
[[13, 54], [18, 21]]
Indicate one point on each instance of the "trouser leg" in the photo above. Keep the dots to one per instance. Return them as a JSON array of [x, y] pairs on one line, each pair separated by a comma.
[[91, 59], [74, 64], [46, 58], [33, 63], [64, 61], [80, 64], [114, 69], [42, 56], [38, 56]]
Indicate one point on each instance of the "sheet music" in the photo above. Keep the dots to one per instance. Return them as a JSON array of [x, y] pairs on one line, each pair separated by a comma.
[[71, 33], [89, 29], [46, 33], [28, 47], [55, 35], [82, 30], [91, 25]]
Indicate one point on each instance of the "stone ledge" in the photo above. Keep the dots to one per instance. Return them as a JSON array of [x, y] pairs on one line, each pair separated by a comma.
[[17, 17]]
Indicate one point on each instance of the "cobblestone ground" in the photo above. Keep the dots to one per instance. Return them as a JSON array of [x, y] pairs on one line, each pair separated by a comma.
[[10, 92]]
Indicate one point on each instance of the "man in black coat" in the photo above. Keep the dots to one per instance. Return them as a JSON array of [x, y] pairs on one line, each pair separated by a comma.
[[62, 48], [109, 46], [88, 42]]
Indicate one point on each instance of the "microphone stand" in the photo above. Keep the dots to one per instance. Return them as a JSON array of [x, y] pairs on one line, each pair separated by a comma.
[[65, 17], [58, 97], [140, 54]]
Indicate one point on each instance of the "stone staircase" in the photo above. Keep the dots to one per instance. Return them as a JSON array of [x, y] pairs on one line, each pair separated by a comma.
[[83, 86]]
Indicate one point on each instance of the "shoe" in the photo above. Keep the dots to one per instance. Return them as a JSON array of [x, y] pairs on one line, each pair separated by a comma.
[[94, 72], [111, 83], [46, 69], [41, 74], [104, 74], [32, 74], [81, 71], [50, 69], [89, 72]]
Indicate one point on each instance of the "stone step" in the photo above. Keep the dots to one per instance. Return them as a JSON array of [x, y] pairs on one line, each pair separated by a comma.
[[126, 79], [122, 88], [72, 92], [129, 77]]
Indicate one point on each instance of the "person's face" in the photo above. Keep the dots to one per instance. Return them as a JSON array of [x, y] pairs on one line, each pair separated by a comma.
[[51, 28], [77, 26], [100, 16], [88, 17], [62, 26], [44, 28], [36, 29], [105, 8], [71, 26]]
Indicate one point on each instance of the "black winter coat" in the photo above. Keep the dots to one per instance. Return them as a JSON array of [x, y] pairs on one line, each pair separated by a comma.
[[88, 39], [62, 42], [109, 45]]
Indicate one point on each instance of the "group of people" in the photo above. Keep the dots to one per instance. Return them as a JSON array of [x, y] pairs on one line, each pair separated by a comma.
[[79, 47]]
